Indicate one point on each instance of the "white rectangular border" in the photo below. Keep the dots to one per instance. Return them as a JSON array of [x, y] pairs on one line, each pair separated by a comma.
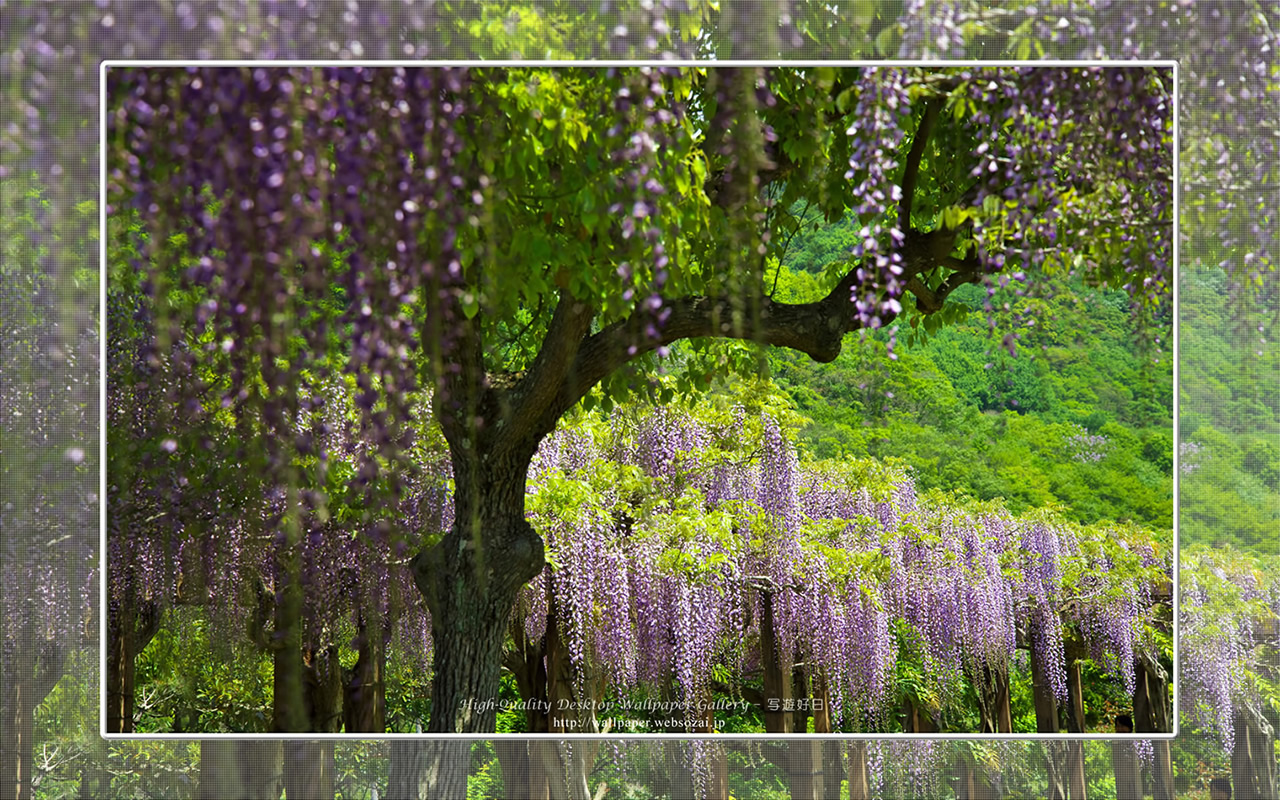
[[685, 63]]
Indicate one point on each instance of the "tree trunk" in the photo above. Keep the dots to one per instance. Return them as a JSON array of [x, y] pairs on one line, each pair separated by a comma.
[[130, 628], [31, 669], [241, 770], [679, 775], [804, 769], [965, 786], [1253, 761], [522, 775], [859, 785], [19, 726], [364, 700], [992, 689], [261, 768], [832, 770], [1055, 758], [289, 694], [1075, 724], [428, 769], [308, 770], [1151, 715], [1045, 702], [470, 581], [777, 675], [409, 769], [220, 771], [1055, 767], [717, 786], [322, 673], [1124, 763]]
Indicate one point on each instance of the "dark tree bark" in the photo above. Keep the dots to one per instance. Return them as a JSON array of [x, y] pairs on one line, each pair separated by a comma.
[[364, 699], [832, 770], [1151, 715], [1046, 705], [1253, 760], [31, 667], [1076, 782], [409, 769], [859, 785], [992, 689], [130, 628], [430, 769], [308, 769], [470, 581], [777, 675]]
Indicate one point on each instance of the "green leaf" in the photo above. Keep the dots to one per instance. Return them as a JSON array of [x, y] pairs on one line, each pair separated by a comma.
[[470, 305]]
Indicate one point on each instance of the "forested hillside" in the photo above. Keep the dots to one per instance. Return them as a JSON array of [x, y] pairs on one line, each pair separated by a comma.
[[1079, 417]]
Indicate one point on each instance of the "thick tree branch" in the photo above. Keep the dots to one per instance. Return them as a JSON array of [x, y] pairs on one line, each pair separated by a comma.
[[533, 393], [911, 173], [815, 329], [462, 386]]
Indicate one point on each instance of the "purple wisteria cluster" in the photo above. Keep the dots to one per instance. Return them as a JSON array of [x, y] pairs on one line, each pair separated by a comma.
[[285, 178], [1228, 616], [646, 117], [659, 586], [882, 109], [1190, 457], [1086, 448], [1120, 122]]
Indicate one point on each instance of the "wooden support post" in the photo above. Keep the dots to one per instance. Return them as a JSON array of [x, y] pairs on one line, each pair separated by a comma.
[[859, 784], [832, 770], [1124, 763], [777, 676], [804, 756], [1046, 704], [1253, 760], [1077, 785], [309, 769], [1151, 715], [129, 630]]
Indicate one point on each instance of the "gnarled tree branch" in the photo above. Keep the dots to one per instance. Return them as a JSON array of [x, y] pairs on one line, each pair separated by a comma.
[[911, 172], [533, 393]]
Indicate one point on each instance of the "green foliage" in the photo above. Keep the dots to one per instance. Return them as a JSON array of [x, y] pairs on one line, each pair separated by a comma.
[[190, 681], [1230, 480], [968, 417]]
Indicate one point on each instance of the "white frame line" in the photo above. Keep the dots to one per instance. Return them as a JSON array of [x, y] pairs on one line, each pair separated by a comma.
[[604, 63]]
